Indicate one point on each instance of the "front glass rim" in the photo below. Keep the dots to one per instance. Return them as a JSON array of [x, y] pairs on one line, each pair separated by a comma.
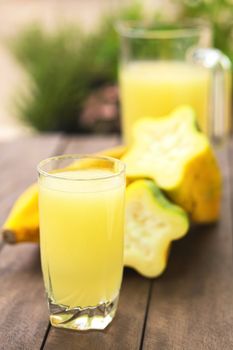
[[161, 30], [41, 171]]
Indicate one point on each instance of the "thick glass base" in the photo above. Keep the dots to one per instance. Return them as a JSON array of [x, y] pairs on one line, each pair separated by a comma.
[[95, 317]]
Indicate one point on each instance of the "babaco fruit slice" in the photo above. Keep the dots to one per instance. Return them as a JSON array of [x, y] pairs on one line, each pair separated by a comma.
[[152, 223], [173, 152]]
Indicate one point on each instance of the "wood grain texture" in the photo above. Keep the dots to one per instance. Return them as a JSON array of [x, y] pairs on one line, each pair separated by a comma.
[[84, 144], [124, 333], [23, 309], [191, 304], [18, 161], [230, 179]]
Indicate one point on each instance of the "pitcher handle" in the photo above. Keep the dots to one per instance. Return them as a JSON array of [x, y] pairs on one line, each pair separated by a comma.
[[219, 119]]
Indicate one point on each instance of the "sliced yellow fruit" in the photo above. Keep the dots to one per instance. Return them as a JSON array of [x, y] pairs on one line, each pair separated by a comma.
[[172, 151], [152, 223]]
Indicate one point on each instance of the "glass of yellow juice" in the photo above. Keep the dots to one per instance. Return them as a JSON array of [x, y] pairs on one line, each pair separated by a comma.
[[81, 206], [165, 65]]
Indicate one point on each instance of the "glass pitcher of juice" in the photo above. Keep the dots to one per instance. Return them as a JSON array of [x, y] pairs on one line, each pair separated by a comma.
[[167, 65]]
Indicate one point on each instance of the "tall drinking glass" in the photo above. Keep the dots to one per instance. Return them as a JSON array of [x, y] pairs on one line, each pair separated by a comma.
[[81, 205], [166, 65]]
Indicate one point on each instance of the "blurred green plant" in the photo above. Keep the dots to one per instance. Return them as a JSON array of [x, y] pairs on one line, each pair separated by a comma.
[[63, 68], [218, 12]]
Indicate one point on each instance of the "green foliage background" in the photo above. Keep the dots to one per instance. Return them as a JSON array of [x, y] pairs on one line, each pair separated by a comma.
[[219, 13], [64, 67]]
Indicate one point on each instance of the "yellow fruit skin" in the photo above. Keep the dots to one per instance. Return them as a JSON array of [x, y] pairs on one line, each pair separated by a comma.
[[22, 224], [115, 152], [200, 192]]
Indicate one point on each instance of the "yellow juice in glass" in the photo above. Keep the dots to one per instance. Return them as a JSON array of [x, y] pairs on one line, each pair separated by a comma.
[[155, 88], [81, 237]]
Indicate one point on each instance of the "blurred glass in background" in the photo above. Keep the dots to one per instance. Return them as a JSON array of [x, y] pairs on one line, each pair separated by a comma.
[[59, 59]]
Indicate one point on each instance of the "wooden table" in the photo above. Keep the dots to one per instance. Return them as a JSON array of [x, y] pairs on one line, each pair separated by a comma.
[[188, 307]]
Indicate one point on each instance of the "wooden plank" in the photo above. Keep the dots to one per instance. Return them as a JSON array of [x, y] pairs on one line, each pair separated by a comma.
[[126, 330], [18, 161], [230, 160], [191, 304], [23, 310], [84, 144]]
